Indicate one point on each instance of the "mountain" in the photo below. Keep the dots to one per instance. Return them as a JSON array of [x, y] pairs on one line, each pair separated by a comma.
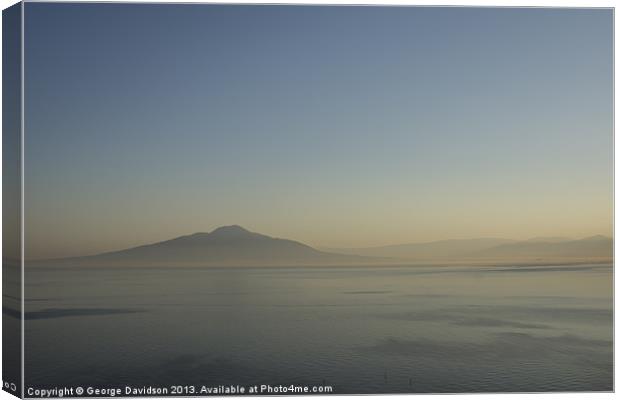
[[225, 246], [441, 249], [593, 248], [236, 246]]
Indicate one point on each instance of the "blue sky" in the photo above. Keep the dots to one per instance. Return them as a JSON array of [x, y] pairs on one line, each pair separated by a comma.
[[336, 126]]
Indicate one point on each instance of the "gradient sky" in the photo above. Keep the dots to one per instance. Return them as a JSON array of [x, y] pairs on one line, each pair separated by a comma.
[[335, 126]]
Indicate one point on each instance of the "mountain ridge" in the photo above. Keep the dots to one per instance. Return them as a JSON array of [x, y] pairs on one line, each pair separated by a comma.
[[233, 245], [597, 246], [230, 245]]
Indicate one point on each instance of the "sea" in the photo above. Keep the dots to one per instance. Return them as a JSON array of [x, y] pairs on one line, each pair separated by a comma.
[[345, 330]]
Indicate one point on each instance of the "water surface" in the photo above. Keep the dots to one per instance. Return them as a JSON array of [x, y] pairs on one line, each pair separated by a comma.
[[361, 330]]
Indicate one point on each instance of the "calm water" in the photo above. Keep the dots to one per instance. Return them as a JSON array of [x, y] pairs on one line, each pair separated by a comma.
[[361, 330]]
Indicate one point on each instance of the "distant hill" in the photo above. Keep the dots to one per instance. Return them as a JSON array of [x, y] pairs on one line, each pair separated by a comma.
[[225, 246], [443, 249], [236, 246], [495, 250], [594, 247]]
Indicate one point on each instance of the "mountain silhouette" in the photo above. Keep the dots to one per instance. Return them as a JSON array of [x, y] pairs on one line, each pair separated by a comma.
[[593, 248], [234, 245], [225, 246], [427, 250]]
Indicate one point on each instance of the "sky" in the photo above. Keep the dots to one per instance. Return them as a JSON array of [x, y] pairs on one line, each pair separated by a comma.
[[334, 126]]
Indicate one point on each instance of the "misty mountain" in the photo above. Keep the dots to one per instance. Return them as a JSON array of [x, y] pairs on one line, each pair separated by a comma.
[[593, 247], [227, 245], [494, 249], [444, 249], [236, 246]]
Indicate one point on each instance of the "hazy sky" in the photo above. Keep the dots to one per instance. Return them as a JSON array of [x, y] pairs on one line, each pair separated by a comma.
[[335, 126]]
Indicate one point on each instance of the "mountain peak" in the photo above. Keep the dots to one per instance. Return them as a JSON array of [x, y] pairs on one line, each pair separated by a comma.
[[230, 230], [225, 246]]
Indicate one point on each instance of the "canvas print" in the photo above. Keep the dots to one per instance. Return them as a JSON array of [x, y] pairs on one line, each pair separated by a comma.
[[205, 199]]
